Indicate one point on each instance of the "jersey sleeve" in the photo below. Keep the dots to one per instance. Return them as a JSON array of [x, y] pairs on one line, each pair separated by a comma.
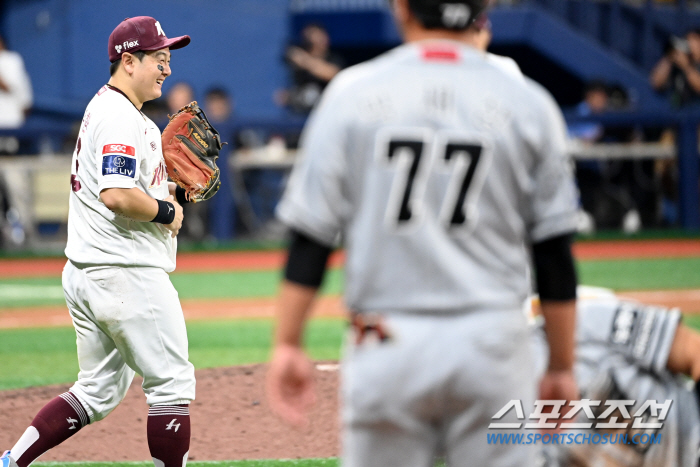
[[554, 197], [315, 201], [116, 151], [641, 333]]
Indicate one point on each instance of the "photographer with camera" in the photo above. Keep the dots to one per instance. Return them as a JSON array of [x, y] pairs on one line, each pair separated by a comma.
[[678, 71]]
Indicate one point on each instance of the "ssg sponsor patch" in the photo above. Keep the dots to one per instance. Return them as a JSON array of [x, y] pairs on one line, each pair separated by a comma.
[[117, 159]]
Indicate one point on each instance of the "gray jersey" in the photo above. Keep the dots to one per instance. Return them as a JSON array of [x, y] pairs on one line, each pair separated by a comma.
[[435, 168], [622, 348]]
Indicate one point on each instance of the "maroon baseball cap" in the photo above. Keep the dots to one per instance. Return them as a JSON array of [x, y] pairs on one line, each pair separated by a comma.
[[141, 33]]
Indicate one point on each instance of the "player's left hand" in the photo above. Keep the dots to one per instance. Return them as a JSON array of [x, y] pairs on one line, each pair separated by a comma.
[[559, 385], [291, 389]]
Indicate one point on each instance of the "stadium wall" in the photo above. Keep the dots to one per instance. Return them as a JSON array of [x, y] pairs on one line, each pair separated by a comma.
[[236, 43]]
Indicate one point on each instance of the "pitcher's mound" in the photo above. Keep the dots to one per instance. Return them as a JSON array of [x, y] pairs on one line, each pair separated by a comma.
[[231, 420]]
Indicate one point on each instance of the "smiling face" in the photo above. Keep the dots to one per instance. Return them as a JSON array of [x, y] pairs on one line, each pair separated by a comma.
[[147, 77]]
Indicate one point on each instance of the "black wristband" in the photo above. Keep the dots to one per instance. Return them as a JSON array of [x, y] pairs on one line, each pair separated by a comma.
[[181, 195], [166, 212]]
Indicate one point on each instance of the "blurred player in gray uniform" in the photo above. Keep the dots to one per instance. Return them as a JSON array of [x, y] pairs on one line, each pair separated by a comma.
[[626, 350], [122, 228], [440, 173]]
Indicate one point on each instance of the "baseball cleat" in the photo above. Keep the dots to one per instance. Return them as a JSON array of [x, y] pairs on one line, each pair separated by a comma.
[[7, 461]]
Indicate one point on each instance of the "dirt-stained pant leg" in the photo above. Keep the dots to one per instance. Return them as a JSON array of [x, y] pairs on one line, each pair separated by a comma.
[[104, 377], [432, 388], [141, 325]]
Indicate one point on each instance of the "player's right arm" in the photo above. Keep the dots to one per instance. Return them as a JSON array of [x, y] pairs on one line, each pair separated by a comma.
[[556, 282], [135, 204], [313, 206], [117, 160], [552, 224], [290, 384]]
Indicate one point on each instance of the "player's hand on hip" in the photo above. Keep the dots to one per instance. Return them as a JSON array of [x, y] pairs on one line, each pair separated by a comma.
[[175, 226], [291, 389], [559, 385]]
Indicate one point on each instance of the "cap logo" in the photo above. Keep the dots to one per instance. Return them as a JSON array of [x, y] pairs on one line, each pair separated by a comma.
[[130, 44], [118, 48], [159, 29], [455, 15]]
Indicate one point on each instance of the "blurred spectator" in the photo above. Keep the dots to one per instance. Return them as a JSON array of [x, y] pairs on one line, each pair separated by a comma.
[[156, 110], [589, 173], [618, 98], [218, 105], [15, 88], [221, 209], [312, 65], [179, 95], [15, 103], [607, 189], [678, 71], [595, 101]]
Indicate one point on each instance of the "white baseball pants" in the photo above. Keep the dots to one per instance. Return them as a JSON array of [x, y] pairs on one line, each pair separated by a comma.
[[127, 320], [432, 388]]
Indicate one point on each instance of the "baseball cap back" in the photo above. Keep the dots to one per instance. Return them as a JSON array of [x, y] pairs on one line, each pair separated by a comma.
[[141, 33]]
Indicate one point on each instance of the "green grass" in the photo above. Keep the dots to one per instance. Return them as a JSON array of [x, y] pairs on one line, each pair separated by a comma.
[[32, 357], [237, 342], [641, 273], [646, 234], [692, 320], [243, 284], [38, 357], [37, 291], [652, 273], [330, 462]]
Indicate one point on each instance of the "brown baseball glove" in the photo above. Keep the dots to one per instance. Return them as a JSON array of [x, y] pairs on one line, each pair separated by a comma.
[[191, 146]]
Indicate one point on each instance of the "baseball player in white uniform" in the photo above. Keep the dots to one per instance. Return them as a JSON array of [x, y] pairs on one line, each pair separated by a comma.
[[440, 173], [627, 350], [122, 228]]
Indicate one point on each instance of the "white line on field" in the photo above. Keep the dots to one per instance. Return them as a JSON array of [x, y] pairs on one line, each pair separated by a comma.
[[25, 291]]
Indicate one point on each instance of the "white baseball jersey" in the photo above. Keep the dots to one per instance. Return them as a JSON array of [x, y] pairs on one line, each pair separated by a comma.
[[118, 147], [506, 64], [435, 167], [622, 349]]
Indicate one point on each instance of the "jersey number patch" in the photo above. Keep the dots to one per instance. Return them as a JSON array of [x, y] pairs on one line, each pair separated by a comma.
[[413, 162], [74, 182]]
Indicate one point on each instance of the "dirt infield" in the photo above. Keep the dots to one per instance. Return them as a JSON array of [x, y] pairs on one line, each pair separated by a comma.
[[230, 421]]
